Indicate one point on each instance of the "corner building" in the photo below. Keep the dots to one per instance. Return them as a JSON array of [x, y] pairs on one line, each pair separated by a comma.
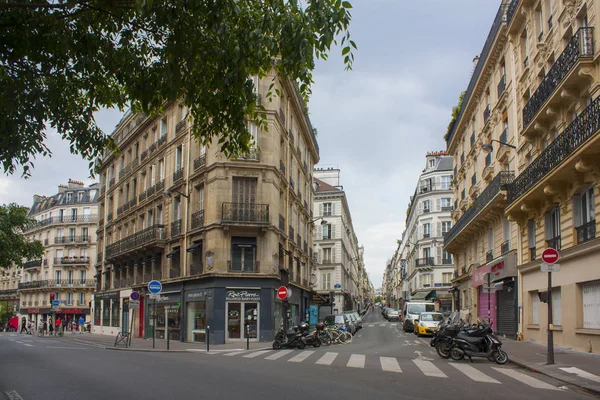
[[220, 234]]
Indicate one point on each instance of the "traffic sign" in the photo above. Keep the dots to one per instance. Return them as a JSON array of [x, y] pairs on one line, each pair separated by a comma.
[[550, 256], [282, 292], [155, 287], [550, 267], [134, 296], [134, 304], [55, 303], [154, 296]]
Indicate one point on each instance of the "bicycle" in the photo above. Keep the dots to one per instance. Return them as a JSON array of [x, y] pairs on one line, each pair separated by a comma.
[[339, 335]]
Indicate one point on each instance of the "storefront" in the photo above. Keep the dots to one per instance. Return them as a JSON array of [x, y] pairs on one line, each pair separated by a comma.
[[486, 298], [242, 314], [195, 305], [505, 285], [168, 301], [106, 312]]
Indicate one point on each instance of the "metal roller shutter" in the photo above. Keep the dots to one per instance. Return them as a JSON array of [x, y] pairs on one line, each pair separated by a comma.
[[507, 314]]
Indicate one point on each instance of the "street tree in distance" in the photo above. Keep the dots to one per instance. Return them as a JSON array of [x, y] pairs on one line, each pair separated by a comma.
[[63, 60], [14, 246]]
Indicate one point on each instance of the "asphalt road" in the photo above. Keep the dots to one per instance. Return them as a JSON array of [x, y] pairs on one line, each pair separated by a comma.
[[381, 363]]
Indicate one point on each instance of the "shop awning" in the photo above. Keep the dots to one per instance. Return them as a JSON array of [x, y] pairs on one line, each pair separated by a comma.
[[173, 252], [194, 247], [420, 295]]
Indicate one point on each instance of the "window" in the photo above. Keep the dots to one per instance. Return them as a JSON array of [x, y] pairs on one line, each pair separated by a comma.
[[253, 129], [176, 208], [82, 275], [590, 292], [584, 207], [200, 197], [535, 305], [539, 23], [531, 237], [244, 190], [179, 157], [84, 234], [327, 255], [243, 254], [327, 209], [58, 276], [553, 228], [524, 49], [446, 182], [446, 226], [556, 307], [446, 277], [446, 204], [327, 232], [426, 230], [81, 301], [161, 169], [426, 206], [446, 257], [163, 127], [474, 179], [326, 281], [432, 163]]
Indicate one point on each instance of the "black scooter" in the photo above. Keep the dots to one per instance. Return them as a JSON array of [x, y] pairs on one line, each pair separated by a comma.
[[488, 346], [293, 338]]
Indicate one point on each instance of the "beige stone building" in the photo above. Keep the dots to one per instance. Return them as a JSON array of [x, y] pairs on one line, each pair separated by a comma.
[[9, 295], [554, 197], [219, 234], [66, 226]]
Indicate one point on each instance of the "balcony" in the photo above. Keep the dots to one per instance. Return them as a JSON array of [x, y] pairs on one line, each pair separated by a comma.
[[501, 86], [447, 261], [447, 208], [326, 261], [32, 264], [252, 154], [177, 175], [180, 127], [247, 266], [505, 247], [425, 262], [9, 293], [245, 213], [281, 223], [489, 256], [60, 283], [71, 260], [488, 205], [161, 140], [111, 183], [200, 162], [144, 240], [198, 219], [175, 228], [554, 242], [71, 239], [586, 231], [61, 220], [144, 155], [581, 46]]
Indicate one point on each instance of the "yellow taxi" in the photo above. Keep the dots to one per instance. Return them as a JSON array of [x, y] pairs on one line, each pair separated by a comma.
[[427, 323]]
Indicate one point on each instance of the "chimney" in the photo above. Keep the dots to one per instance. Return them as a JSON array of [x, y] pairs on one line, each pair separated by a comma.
[[62, 188], [475, 61], [73, 184]]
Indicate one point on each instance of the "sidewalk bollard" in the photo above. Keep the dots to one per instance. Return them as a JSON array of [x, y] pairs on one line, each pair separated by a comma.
[[207, 339], [247, 336]]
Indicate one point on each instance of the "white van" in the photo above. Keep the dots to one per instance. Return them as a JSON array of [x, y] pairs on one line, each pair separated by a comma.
[[412, 310]]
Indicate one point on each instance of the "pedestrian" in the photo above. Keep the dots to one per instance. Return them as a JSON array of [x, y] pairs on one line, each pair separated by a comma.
[[58, 326], [81, 324], [73, 326], [50, 327], [23, 325], [64, 325]]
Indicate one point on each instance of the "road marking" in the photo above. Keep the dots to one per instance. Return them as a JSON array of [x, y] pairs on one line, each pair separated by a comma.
[[301, 357], [257, 353], [13, 395], [389, 364], [582, 373], [327, 359], [473, 373], [371, 325], [381, 324], [360, 335], [526, 379], [62, 347], [356, 361], [27, 344], [234, 353], [279, 354], [429, 369]]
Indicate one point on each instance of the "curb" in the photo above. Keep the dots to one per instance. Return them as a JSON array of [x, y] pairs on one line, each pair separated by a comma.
[[145, 350], [553, 376]]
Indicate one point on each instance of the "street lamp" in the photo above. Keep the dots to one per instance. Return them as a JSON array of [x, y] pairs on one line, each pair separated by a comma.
[[488, 148], [167, 194], [323, 222]]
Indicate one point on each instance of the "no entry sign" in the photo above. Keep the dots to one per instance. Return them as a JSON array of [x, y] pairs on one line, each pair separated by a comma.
[[282, 293], [550, 256]]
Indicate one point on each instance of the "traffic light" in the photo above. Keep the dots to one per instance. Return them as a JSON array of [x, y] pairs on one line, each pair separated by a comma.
[[51, 297]]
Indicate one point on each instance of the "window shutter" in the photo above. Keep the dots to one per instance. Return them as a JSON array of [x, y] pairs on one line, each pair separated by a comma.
[[439, 229], [319, 256], [438, 205], [577, 210], [333, 255], [420, 207], [332, 232], [320, 209], [548, 225], [319, 234], [332, 208]]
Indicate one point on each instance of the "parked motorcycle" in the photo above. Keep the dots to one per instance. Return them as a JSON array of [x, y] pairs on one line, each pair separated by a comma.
[[487, 345], [447, 330], [293, 338]]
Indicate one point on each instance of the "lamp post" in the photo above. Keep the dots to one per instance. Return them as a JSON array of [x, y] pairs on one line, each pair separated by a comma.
[[488, 148]]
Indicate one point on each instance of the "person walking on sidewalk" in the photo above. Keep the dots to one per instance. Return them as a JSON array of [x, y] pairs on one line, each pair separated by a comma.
[[81, 324], [50, 327], [58, 326], [23, 325]]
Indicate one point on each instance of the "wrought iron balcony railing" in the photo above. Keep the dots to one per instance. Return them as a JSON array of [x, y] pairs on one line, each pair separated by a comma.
[[198, 219], [580, 46], [246, 266], [60, 283], [65, 219], [554, 242], [200, 162], [424, 262], [505, 247], [71, 239], [144, 155], [177, 175], [245, 213], [489, 256], [446, 261], [574, 136], [175, 228], [510, 12], [586, 231], [447, 208], [143, 237], [500, 182], [71, 260], [180, 127], [32, 264]]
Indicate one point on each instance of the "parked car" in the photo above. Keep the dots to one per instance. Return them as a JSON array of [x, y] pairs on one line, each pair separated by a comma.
[[353, 322], [427, 323], [384, 310], [411, 311], [392, 315], [338, 321], [358, 319]]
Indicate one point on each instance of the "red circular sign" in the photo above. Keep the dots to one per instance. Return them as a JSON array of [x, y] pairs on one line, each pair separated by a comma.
[[550, 256], [282, 292]]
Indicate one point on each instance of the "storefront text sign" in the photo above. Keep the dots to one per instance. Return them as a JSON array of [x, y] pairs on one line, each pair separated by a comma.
[[242, 295], [107, 296], [478, 276]]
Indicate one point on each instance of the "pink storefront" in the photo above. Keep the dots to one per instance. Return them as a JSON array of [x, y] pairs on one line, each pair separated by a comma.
[[486, 302]]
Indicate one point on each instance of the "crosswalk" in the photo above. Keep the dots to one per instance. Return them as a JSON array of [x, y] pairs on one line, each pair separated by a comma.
[[483, 373]]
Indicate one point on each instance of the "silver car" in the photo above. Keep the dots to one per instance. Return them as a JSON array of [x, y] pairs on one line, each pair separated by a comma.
[[357, 319]]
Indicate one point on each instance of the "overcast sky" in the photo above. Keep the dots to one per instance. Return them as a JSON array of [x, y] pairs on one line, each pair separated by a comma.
[[375, 123]]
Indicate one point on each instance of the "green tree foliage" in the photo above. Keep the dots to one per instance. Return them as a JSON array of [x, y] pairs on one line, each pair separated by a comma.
[[14, 247], [63, 60], [455, 112], [377, 299]]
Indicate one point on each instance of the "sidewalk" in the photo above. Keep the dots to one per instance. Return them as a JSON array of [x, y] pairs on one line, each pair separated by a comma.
[[572, 367], [138, 344]]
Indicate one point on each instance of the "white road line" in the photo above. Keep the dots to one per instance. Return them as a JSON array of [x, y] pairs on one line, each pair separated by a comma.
[[279, 354], [69, 348], [389, 364], [526, 379], [582, 373], [13, 395], [327, 359], [381, 324], [371, 325], [301, 357], [257, 353], [429, 369], [473, 373], [235, 353], [27, 344], [356, 361]]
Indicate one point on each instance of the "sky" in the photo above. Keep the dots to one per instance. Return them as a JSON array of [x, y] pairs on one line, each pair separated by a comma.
[[375, 123]]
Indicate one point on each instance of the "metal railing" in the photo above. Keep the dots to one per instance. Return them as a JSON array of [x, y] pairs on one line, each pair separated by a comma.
[[574, 136], [554, 242], [32, 264], [180, 127], [71, 239], [198, 219], [447, 208], [71, 260], [200, 162], [251, 267], [489, 256], [65, 219], [426, 261], [176, 228], [61, 283], [245, 212], [177, 175], [510, 12], [581, 45], [143, 237], [500, 182], [446, 261], [586, 231], [505, 247]]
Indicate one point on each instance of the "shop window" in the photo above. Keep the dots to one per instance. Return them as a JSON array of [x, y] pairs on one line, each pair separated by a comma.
[[243, 254], [590, 292], [106, 313], [115, 308], [196, 321]]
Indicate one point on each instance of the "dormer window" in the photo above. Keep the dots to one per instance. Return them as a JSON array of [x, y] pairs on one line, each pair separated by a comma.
[[69, 197], [431, 163]]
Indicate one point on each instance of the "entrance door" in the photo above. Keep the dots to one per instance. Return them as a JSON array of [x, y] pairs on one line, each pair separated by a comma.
[[483, 308], [234, 317], [507, 310], [251, 310]]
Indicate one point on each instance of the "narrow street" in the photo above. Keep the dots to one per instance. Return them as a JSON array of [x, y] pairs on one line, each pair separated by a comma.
[[381, 362]]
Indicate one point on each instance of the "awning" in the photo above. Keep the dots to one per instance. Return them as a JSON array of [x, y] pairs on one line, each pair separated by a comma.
[[194, 247], [173, 252], [420, 295]]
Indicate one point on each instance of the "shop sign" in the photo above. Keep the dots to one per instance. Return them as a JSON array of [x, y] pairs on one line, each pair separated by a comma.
[[36, 310], [194, 296], [107, 295], [242, 295], [73, 311], [478, 276], [33, 311], [320, 299], [169, 298]]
